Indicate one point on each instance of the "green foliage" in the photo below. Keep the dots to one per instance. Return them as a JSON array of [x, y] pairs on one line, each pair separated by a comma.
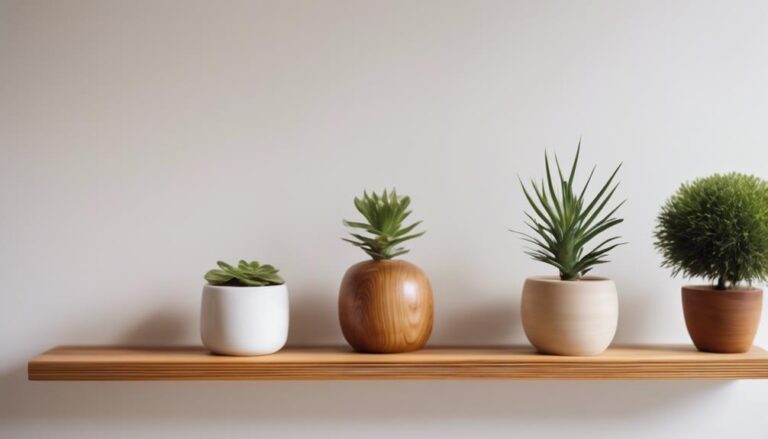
[[564, 222], [384, 215], [717, 228], [244, 275]]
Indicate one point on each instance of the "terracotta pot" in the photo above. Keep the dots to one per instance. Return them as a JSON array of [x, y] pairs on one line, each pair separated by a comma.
[[722, 321], [570, 317], [385, 306]]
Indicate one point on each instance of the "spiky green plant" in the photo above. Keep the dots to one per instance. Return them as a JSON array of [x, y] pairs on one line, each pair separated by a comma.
[[385, 215], [246, 274], [565, 222], [717, 228]]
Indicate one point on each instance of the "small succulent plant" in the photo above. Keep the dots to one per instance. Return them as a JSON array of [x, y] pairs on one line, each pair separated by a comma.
[[566, 221], [717, 228], [246, 274], [385, 215]]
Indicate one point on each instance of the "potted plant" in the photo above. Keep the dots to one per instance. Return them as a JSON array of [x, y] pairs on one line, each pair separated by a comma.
[[244, 310], [569, 314], [385, 305], [716, 228]]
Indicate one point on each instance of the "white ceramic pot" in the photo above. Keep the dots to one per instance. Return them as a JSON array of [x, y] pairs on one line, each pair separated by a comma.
[[244, 320], [570, 317]]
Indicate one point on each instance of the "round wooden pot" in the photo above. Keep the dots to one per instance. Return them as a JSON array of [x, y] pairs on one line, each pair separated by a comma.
[[570, 317], [385, 306], [722, 321]]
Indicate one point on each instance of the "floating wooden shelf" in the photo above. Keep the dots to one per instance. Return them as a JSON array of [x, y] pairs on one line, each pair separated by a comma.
[[437, 363]]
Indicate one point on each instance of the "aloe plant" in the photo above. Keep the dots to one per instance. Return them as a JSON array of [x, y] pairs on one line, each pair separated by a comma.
[[385, 215], [564, 222], [246, 274]]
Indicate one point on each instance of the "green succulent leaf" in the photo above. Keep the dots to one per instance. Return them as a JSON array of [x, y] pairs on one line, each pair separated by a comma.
[[250, 274], [384, 215], [217, 277], [563, 226], [716, 228]]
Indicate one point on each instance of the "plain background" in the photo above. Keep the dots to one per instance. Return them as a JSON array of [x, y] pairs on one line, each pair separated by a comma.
[[140, 141]]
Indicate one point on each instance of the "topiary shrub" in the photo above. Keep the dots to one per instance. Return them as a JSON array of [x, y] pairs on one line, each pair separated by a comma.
[[717, 228]]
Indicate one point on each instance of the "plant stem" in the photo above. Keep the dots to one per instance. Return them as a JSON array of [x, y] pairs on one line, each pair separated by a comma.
[[721, 283]]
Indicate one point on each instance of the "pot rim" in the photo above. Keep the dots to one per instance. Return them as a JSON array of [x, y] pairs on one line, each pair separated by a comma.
[[556, 279], [384, 261], [222, 288], [712, 289]]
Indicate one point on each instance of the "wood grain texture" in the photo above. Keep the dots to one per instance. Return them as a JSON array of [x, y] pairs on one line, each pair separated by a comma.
[[434, 363], [385, 307], [722, 321]]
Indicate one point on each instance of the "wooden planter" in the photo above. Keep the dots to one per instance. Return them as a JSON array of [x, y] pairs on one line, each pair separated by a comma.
[[385, 306]]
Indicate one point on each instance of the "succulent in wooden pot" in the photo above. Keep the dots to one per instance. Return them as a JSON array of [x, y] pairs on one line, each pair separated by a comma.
[[385, 304]]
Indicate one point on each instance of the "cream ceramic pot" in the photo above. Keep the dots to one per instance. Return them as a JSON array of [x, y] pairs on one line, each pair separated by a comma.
[[570, 317], [244, 320]]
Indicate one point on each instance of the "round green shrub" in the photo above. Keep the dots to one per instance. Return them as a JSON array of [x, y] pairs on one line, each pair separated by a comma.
[[717, 228]]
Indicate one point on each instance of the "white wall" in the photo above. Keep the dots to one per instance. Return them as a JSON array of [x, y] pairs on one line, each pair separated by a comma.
[[140, 141]]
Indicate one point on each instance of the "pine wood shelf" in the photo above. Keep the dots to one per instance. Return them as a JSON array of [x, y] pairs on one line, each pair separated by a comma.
[[88, 363]]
